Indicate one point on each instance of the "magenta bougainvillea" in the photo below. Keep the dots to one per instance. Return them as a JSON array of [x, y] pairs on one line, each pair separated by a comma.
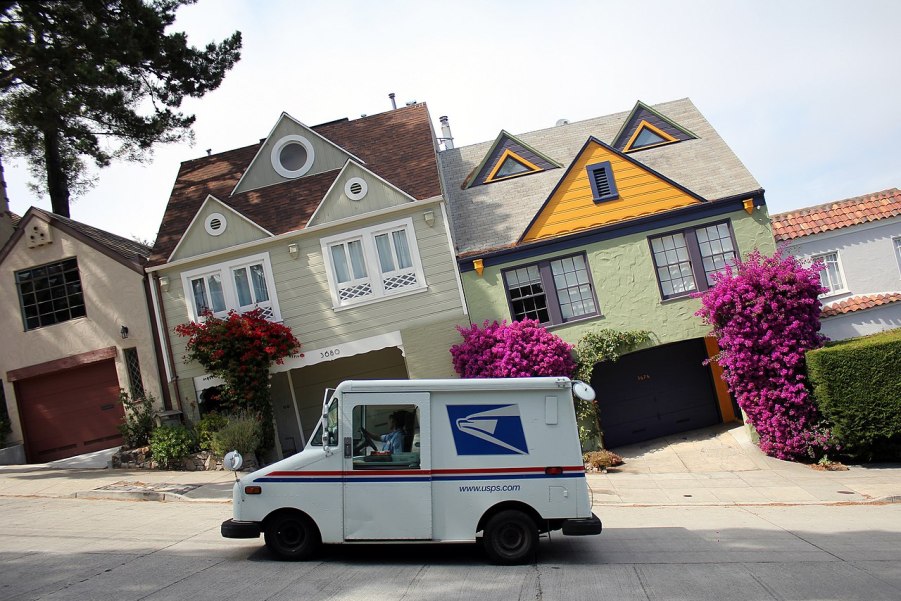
[[765, 315], [520, 349]]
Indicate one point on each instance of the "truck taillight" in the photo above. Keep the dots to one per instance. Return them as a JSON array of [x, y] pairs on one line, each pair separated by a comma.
[[553, 471], [253, 490]]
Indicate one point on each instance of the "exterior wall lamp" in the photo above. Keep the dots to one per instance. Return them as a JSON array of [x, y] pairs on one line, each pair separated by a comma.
[[429, 217], [123, 331], [479, 266], [293, 250], [164, 283]]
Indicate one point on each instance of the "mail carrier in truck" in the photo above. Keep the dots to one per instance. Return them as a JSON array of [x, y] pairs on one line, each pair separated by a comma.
[[496, 460]]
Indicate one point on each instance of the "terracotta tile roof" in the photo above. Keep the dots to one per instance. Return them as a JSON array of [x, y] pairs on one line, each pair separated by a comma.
[[836, 215], [859, 303], [397, 145]]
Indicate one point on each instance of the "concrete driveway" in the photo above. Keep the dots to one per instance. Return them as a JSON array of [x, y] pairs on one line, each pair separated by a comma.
[[721, 466]]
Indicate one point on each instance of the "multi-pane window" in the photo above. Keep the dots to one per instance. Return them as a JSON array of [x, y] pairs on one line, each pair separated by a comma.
[[50, 294], [685, 261], [553, 292], [373, 263], [717, 250], [240, 285], [830, 274], [133, 366]]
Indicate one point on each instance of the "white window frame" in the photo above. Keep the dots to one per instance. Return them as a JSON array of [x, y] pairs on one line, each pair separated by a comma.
[[841, 273], [226, 272], [375, 278], [896, 243]]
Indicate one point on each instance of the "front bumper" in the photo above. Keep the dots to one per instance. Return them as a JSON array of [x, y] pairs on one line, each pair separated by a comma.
[[233, 529], [582, 526]]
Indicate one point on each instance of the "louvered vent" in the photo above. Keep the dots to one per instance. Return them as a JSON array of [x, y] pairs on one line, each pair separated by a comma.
[[602, 183]]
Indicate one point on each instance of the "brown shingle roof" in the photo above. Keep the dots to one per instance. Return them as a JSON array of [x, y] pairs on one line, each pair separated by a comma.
[[859, 303], [397, 145], [836, 215]]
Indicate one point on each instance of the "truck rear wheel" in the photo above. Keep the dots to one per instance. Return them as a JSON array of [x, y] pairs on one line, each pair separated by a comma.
[[291, 535], [510, 538]]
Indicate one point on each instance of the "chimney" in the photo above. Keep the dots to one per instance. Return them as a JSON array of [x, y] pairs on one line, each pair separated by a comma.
[[447, 138], [393, 103]]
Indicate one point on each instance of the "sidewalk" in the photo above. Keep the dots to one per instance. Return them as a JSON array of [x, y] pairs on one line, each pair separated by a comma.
[[721, 466], [712, 466]]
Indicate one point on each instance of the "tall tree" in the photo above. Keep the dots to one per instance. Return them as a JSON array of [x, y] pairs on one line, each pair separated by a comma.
[[98, 80]]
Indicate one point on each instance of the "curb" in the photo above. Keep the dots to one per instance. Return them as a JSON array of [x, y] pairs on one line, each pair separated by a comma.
[[147, 495]]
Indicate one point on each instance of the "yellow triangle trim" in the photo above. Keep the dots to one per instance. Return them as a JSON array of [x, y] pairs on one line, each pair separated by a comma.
[[509, 154], [645, 125], [571, 207]]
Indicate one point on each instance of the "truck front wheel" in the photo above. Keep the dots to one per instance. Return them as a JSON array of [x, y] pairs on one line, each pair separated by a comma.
[[291, 535], [510, 538]]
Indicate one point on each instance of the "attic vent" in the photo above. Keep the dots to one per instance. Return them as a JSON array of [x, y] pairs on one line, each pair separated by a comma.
[[356, 188], [39, 234], [215, 224], [603, 186]]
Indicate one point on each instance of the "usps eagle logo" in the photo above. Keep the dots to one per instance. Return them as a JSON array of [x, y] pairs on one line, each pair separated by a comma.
[[487, 429]]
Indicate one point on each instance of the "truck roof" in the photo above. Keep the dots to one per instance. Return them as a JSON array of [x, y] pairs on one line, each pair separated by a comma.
[[454, 384]]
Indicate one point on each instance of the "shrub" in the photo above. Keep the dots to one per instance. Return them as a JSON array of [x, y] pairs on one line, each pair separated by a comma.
[[602, 459], [242, 433], [206, 428], [765, 315], [170, 444], [520, 349], [139, 420], [857, 387], [240, 350]]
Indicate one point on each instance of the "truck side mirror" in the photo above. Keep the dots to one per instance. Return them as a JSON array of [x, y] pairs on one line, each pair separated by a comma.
[[232, 461], [583, 391]]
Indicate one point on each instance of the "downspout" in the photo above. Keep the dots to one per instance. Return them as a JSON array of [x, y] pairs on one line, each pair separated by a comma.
[[160, 358], [160, 314]]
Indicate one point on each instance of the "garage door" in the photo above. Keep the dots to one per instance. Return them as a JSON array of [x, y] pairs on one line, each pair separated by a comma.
[[655, 392], [70, 412]]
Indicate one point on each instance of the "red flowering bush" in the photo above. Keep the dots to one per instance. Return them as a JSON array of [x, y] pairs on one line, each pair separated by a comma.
[[520, 349], [765, 315], [240, 349]]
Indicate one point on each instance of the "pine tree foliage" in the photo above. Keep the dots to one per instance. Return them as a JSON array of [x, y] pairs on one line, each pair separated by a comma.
[[97, 80]]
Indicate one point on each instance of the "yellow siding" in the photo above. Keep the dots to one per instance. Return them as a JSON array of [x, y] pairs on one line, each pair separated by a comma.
[[572, 208]]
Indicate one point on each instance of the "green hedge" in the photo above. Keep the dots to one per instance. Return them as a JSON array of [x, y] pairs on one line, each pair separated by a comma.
[[857, 386]]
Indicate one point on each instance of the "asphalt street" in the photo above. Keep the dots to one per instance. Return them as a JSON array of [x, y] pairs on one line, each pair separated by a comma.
[[70, 548]]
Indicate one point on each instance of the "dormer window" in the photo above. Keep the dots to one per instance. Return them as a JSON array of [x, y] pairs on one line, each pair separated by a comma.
[[292, 156], [648, 136]]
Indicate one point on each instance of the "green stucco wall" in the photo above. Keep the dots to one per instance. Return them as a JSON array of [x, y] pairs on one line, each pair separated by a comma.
[[623, 274]]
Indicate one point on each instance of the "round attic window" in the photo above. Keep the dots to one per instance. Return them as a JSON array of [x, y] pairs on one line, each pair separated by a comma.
[[356, 188], [292, 156], [215, 224]]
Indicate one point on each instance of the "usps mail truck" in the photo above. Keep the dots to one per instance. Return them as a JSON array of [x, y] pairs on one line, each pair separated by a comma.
[[496, 460]]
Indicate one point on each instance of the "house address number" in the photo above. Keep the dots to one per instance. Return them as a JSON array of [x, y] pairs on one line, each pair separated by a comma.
[[330, 353]]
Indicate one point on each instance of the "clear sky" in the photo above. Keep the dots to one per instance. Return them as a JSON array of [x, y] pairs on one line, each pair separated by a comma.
[[807, 93]]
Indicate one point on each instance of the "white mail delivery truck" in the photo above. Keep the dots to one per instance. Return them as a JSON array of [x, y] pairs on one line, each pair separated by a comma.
[[496, 460]]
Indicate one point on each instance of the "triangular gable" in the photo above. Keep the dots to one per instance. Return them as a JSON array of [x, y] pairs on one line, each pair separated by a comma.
[[579, 201], [355, 192], [291, 151], [216, 226], [507, 158], [647, 128]]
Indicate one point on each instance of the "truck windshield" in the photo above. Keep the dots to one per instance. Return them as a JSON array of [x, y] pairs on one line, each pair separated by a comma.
[[331, 426]]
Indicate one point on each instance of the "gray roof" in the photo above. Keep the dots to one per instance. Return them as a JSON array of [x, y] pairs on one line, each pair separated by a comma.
[[495, 215], [131, 250]]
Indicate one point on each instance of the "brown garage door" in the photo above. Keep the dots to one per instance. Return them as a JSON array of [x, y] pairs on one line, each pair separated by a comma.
[[70, 412]]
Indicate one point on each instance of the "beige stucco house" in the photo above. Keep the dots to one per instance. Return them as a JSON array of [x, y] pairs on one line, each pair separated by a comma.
[[76, 330]]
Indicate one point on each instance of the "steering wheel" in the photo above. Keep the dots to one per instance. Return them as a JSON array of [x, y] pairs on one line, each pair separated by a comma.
[[367, 440]]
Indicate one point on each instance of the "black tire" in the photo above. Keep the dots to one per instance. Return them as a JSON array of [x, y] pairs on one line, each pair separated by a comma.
[[291, 535], [510, 538]]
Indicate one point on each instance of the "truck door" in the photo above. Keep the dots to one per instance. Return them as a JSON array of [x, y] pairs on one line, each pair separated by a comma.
[[387, 476]]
